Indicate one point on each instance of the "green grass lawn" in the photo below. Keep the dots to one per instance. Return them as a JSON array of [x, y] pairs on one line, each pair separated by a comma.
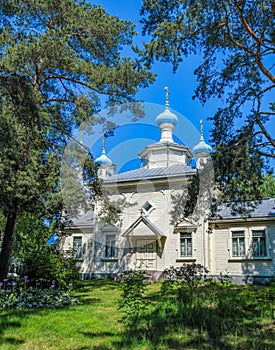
[[236, 317]]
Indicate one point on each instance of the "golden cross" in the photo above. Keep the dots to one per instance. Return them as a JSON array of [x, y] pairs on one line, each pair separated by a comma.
[[167, 96]]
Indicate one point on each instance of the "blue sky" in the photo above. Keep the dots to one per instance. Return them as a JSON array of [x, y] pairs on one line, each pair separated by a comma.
[[181, 84], [181, 87]]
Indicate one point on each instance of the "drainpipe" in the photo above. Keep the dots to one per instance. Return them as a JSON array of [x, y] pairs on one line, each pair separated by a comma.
[[205, 245]]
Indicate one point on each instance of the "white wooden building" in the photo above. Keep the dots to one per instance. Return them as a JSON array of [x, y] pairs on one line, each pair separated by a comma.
[[146, 234]]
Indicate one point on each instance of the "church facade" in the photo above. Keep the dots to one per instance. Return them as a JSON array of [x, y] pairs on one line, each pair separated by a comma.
[[149, 233]]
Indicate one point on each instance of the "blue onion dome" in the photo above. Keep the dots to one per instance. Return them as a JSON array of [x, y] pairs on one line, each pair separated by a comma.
[[166, 117], [202, 146], [103, 159]]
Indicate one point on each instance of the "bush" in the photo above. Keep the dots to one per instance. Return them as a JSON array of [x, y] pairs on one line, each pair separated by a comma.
[[133, 285], [19, 294], [49, 264], [182, 279]]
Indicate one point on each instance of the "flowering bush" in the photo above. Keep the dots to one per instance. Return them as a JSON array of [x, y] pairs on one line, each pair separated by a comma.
[[50, 264], [20, 294]]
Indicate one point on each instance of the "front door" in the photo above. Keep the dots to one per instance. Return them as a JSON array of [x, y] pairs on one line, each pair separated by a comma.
[[146, 253]]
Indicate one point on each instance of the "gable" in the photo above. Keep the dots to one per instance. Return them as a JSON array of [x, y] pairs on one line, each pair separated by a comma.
[[143, 227]]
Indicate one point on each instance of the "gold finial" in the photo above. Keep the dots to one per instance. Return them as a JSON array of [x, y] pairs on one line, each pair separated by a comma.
[[201, 132], [166, 96], [103, 143]]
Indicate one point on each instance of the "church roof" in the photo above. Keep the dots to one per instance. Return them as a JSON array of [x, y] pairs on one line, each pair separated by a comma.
[[152, 173], [86, 219], [266, 208]]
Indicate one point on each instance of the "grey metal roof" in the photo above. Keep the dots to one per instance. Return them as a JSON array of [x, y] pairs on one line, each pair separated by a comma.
[[153, 173], [86, 219], [266, 208]]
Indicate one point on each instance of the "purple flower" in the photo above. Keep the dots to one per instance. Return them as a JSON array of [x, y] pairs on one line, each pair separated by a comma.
[[1, 284], [13, 283], [26, 277], [52, 286], [37, 283], [53, 281], [5, 280], [70, 284]]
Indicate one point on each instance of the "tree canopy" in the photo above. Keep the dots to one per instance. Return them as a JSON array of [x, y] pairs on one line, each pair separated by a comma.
[[61, 62], [236, 40]]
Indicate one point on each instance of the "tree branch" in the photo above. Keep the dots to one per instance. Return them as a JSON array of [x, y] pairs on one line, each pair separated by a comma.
[[62, 77], [266, 134], [252, 34], [265, 154]]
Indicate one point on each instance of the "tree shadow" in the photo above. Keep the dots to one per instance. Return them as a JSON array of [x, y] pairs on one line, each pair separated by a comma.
[[6, 323], [206, 318]]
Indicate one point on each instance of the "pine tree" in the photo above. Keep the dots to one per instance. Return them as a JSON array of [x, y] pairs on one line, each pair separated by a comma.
[[236, 41], [60, 62]]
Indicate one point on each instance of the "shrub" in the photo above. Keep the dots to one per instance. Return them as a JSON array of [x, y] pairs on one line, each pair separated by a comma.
[[50, 264], [133, 285], [182, 279], [19, 294]]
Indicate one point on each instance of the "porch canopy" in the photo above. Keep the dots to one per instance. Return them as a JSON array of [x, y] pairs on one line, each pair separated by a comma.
[[144, 228]]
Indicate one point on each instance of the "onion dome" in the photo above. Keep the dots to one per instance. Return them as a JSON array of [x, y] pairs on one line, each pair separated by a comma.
[[103, 159], [167, 116], [166, 122], [202, 146]]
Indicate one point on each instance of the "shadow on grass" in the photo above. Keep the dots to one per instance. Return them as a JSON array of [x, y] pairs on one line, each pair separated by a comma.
[[211, 317], [97, 283], [7, 323]]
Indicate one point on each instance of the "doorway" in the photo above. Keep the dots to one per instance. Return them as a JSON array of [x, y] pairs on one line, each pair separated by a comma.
[[147, 253]]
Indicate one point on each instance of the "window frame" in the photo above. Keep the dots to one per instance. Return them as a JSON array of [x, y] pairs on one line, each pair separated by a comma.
[[75, 254], [248, 242], [144, 210], [237, 238], [187, 239], [110, 243], [258, 238]]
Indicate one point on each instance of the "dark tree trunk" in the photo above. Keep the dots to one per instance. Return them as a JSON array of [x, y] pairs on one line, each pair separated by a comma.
[[7, 245]]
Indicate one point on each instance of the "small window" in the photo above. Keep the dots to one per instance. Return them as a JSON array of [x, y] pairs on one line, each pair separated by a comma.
[[77, 247], [186, 244], [258, 243], [147, 206], [110, 247], [238, 243]]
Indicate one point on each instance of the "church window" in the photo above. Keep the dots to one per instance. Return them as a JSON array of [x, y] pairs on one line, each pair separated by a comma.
[[77, 247], [186, 244], [147, 206], [110, 247], [258, 243], [238, 243]]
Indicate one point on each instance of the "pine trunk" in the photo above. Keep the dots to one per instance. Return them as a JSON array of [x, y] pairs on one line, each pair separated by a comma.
[[7, 245]]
